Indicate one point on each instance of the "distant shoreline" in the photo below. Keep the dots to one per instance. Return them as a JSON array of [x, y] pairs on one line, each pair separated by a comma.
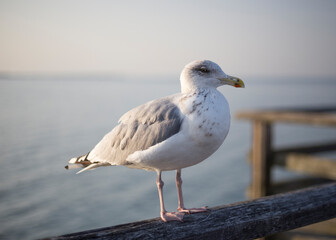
[[162, 79]]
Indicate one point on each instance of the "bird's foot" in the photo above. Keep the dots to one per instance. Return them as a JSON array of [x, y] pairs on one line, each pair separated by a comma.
[[172, 216], [192, 210]]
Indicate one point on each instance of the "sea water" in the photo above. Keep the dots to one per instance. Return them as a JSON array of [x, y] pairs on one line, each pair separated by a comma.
[[44, 122]]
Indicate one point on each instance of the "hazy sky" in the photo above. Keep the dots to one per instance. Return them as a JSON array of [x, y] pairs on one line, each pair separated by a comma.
[[267, 38]]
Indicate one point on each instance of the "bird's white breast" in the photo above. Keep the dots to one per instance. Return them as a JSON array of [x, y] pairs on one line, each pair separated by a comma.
[[208, 119], [205, 126]]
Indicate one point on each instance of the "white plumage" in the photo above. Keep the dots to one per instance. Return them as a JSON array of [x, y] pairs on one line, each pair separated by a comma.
[[170, 133]]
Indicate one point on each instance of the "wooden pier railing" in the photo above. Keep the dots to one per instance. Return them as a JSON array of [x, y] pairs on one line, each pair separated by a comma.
[[264, 156], [296, 158], [246, 220]]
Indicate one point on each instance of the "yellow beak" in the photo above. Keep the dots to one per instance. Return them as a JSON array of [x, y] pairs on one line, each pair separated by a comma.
[[233, 81]]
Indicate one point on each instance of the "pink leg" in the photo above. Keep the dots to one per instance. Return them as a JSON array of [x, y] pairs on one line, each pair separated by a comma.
[[166, 216], [181, 207]]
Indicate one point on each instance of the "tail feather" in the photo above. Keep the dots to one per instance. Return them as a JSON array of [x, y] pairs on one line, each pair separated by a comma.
[[79, 162], [73, 166], [85, 163], [81, 159], [73, 160], [90, 167]]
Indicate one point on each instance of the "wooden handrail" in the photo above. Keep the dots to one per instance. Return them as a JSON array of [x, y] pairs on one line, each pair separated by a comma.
[[246, 220], [313, 118]]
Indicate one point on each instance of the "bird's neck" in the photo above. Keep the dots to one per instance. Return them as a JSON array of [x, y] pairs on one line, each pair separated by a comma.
[[190, 87], [193, 89]]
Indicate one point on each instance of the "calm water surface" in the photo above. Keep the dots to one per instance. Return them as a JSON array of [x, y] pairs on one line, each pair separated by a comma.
[[44, 123]]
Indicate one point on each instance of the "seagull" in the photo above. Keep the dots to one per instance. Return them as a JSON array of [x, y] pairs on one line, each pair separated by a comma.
[[170, 133]]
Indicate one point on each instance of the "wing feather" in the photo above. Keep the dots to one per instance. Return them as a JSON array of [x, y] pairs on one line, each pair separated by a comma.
[[139, 129]]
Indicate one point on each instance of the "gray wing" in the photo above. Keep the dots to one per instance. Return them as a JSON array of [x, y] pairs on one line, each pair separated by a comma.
[[139, 129]]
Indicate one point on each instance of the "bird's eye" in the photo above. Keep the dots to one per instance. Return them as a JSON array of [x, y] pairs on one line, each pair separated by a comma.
[[203, 70]]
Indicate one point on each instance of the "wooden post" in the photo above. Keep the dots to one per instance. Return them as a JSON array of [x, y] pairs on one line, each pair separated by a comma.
[[261, 153]]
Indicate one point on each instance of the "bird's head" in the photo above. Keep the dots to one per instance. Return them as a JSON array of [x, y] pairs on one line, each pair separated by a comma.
[[206, 74]]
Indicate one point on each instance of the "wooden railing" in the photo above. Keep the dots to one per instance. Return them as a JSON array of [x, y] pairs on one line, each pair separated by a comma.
[[246, 220], [263, 155]]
